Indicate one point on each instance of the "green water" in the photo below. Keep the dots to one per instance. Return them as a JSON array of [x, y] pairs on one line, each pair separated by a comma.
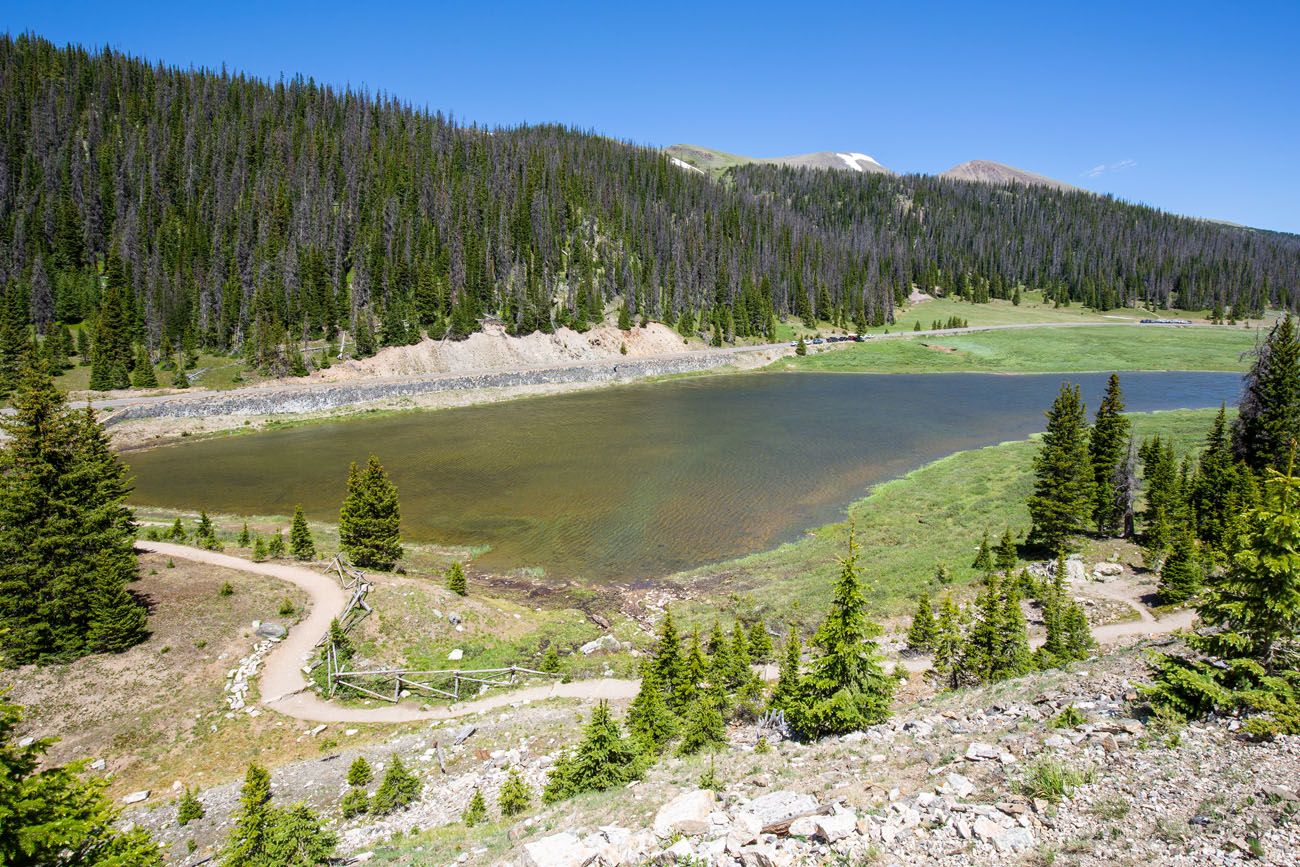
[[636, 481]]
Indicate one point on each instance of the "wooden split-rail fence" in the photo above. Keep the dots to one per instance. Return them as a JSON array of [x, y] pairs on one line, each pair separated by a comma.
[[391, 684]]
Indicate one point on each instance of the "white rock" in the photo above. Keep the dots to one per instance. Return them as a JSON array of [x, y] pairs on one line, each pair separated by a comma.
[[557, 850], [97, 765], [878, 758], [804, 826], [958, 786], [778, 806], [986, 829], [745, 827], [317, 730], [688, 813], [136, 797], [456, 655], [606, 643], [979, 752], [350, 732], [1014, 840], [1108, 569], [836, 826]]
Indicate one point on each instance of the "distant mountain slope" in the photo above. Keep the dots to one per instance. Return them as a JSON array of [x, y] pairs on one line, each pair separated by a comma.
[[989, 172], [715, 161]]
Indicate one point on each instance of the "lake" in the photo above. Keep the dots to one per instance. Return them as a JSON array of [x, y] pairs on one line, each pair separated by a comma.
[[635, 481]]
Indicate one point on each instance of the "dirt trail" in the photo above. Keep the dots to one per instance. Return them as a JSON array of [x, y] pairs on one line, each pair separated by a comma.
[[283, 683], [284, 686]]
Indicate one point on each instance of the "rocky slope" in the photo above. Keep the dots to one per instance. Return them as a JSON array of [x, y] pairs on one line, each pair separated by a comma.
[[988, 172], [714, 162]]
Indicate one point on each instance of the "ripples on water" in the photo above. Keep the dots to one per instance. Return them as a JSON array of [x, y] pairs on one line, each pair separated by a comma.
[[641, 480]]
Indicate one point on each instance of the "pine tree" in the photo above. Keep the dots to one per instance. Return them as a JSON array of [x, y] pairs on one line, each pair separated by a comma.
[[51, 815], [942, 575], [949, 643], [800, 348], [456, 582], [649, 721], [668, 658], [704, 728], [760, 642], [275, 547], [551, 660], [694, 669], [143, 376], [984, 557], [249, 841], [514, 796], [179, 378], [1062, 502], [1268, 417], [398, 789], [789, 676], [1079, 643], [604, 759], [300, 541], [177, 531], [189, 808], [921, 634], [1107, 447], [244, 540], [1215, 494], [359, 772], [205, 534], [475, 811], [846, 688], [369, 521], [1006, 556], [66, 536], [1182, 575], [259, 549]]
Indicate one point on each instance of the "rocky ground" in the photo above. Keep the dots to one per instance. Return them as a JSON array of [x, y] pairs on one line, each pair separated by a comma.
[[961, 778]]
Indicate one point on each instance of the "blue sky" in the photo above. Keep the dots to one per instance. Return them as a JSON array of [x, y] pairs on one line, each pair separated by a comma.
[[1188, 106]]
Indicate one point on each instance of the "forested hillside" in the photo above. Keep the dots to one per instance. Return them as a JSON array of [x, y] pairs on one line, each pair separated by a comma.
[[173, 208], [983, 239]]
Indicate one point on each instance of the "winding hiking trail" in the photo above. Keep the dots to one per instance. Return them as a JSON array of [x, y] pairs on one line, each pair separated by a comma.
[[283, 685], [284, 689]]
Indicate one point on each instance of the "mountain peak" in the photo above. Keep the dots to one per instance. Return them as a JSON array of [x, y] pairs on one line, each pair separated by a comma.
[[989, 172], [704, 159]]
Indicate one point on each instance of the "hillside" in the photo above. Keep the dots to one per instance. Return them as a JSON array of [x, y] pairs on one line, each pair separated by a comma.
[[988, 172], [184, 212]]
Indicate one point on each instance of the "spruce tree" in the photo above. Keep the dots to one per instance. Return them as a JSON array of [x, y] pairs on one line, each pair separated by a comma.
[[189, 808], [143, 376], [1062, 502], [921, 634], [668, 657], [514, 796], [370, 519], [760, 642], [800, 348], [704, 727], [51, 815], [1182, 575], [398, 789], [360, 772], [244, 539], [1268, 416], [205, 534], [456, 582], [604, 759], [66, 536], [475, 811], [984, 563], [1246, 660], [275, 547], [694, 668], [1215, 493], [1006, 556], [789, 676], [741, 672], [1079, 643], [949, 644], [649, 721], [301, 543], [1107, 447], [249, 841], [551, 659], [846, 688]]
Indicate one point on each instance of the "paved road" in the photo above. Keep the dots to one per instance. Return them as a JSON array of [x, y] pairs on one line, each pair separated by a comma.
[[283, 683]]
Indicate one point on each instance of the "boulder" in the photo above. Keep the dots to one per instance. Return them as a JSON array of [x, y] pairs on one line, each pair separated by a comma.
[[267, 629], [1074, 571], [688, 814], [136, 797], [1107, 570], [1016, 839], [678, 853], [557, 850], [958, 786], [604, 644], [779, 806], [977, 752], [456, 655], [836, 826], [986, 829]]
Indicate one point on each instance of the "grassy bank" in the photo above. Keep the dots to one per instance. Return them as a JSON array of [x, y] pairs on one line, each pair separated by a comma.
[[906, 528], [1046, 350]]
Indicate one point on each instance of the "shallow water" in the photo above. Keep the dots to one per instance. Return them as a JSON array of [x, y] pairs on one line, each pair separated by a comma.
[[641, 480]]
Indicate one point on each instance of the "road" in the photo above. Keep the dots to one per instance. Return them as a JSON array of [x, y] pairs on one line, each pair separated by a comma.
[[297, 387], [283, 684]]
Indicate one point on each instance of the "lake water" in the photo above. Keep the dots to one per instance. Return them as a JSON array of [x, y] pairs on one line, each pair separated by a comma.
[[641, 480]]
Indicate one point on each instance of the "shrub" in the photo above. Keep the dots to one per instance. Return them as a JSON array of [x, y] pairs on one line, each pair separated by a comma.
[[476, 812], [515, 795], [1050, 780], [355, 803], [399, 788]]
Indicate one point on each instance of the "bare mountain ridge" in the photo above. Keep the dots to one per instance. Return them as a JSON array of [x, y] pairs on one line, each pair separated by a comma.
[[989, 172], [714, 162]]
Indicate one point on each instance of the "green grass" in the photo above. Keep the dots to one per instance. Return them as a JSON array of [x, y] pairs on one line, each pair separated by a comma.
[[1047, 350], [906, 528]]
